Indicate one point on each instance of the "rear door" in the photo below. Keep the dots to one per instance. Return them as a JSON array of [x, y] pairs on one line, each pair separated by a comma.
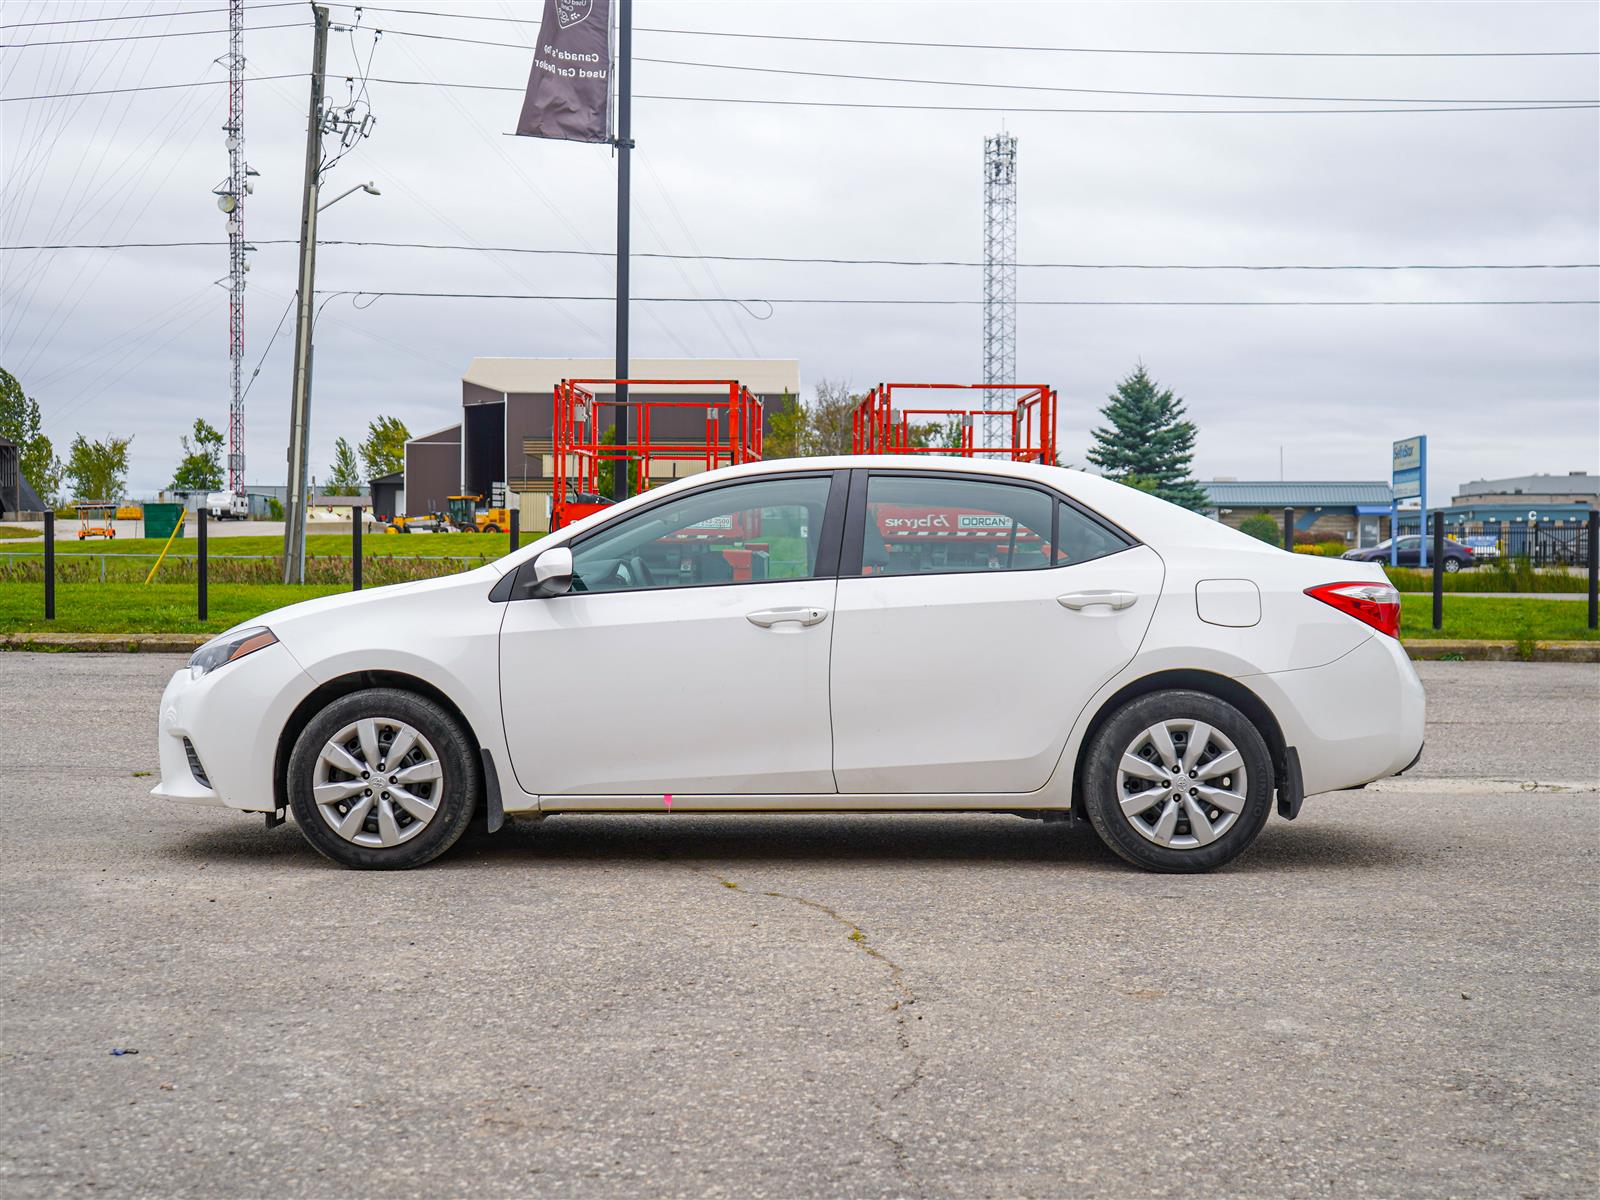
[[975, 617]]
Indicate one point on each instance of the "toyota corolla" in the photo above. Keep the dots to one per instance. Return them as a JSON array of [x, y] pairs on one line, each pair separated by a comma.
[[823, 635]]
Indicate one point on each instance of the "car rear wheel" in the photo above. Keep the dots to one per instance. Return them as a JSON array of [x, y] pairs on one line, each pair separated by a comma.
[[1178, 781], [1452, 565], [383, 779]]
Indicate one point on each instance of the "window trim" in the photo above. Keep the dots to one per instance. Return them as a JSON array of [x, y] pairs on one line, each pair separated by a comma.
[[856, 514], [828, 545]]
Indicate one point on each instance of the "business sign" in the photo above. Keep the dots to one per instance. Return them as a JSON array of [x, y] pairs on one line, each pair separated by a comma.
[[569, 88], [1409, 482]]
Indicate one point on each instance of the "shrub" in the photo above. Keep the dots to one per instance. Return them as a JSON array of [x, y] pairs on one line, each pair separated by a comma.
[[1263, 528], [274, 508]]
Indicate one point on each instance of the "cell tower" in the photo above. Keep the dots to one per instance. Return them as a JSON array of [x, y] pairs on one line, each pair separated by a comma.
[[999, 279], [231, 200]]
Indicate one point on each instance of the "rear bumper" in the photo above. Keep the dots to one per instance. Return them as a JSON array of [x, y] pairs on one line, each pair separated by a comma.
[[1353, 720]]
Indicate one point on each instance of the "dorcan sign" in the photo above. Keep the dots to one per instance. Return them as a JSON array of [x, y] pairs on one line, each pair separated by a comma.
[[569, 88]]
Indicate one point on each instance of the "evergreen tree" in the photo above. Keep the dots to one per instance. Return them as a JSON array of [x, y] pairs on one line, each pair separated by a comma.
[[200, 469], [1148, 442], [344, 477]]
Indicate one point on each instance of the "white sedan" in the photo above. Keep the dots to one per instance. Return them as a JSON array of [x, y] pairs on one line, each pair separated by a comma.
[[854, 634]]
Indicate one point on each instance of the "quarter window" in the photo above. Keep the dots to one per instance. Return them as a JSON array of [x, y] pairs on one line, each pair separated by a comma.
[[1080, 538], [743, 533]]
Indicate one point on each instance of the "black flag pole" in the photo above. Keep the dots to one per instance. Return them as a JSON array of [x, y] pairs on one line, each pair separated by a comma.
[[624, 144]]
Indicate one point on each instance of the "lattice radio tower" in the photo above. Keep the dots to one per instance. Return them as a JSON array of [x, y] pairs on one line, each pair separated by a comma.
[[999, 279], [231, 200]]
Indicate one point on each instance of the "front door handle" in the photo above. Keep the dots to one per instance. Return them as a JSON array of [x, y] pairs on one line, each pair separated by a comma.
[[768, 617], [1078, 601]]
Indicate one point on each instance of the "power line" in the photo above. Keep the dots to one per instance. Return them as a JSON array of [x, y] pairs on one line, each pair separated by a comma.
[[985, 108], [145, 37], [1013, 109], [852, 262], [425, 12], [148, 16], [150, 87], [788, 37], [858, 300]]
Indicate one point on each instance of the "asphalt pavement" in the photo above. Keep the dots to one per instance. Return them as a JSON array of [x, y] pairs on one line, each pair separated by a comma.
[[1394, 995]]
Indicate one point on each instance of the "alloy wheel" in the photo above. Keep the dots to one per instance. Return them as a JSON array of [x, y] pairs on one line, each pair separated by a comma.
[[377, 782], [1182, 784]]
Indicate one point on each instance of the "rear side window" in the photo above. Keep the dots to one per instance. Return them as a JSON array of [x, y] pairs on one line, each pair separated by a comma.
[[921, 525]]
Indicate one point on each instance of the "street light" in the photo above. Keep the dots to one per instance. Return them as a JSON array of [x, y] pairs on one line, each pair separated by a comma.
[[294, 532]]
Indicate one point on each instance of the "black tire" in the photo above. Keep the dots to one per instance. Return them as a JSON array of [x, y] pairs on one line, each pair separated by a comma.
[[491, 529], [1100, 795], [1452, 565], [458, 788]]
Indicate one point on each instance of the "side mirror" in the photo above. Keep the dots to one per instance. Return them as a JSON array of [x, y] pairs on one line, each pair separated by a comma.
[[552, 573]]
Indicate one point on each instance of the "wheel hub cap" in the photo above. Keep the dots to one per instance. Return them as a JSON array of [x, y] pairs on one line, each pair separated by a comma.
[[377, 782], [1182, 784]]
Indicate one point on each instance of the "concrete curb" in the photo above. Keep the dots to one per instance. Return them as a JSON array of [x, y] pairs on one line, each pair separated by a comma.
[[1565, 652], [183, 643], [106, 643]]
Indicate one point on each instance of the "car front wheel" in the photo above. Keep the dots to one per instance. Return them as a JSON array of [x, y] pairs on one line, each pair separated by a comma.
[[1178, 781], [383, 779]]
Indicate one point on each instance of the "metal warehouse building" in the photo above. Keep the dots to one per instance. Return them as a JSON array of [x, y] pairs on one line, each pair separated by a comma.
[[503, 434]]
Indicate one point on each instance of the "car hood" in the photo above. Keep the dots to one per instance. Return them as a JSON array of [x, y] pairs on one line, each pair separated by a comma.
[[362, 604]]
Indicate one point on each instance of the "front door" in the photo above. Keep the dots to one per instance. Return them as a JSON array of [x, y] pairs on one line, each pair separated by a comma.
[[975, 618], [691, 657]]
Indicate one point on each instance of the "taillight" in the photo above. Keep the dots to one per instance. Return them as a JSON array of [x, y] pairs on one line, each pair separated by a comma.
[[1377, 604]]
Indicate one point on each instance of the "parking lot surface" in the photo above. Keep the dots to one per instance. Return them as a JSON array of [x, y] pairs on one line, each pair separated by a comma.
[[1393, 995]]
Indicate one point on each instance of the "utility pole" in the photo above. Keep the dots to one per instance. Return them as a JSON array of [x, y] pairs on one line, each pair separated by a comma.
[[294, 533], [238, 186], [624, 144]]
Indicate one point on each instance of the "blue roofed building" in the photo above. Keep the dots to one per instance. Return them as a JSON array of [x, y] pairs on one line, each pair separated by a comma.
[[1356, 513]]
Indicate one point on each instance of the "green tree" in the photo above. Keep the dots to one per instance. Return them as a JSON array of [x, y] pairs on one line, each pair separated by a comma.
[[20, 422], [344, 477], [824, 426], [383, 451], [97, 469], [200, 468], [1148, 437], [1263, 528]]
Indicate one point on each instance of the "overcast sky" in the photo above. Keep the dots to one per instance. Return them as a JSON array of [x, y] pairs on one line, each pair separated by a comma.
[[134, 342]]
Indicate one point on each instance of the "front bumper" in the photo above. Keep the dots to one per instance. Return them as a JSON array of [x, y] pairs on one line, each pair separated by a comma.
[[231, 719]]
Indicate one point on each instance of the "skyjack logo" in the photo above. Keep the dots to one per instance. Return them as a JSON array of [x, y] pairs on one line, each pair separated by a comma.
[[932, 521], [573, 12]]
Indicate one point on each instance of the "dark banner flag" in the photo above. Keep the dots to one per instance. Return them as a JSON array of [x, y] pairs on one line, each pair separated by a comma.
[[569, 90]]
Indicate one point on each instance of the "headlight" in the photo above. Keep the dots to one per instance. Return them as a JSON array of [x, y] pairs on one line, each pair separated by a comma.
[[220, 651]]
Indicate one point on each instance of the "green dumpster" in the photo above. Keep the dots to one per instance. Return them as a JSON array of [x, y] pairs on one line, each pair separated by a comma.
[[160, 518]]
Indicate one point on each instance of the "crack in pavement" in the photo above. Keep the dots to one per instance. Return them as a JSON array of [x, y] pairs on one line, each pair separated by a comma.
[[901, 1007]]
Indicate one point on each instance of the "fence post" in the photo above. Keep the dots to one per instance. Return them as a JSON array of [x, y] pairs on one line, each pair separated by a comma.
[[1594, 568], [49, 566], [516, 526], [355, 548], [200, 559], [1438, 570], [1288, 530]]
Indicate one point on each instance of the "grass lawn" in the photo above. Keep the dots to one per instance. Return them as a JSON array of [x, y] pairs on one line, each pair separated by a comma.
[[169, 607], [17, 532], [1497, 620], [421, 545]]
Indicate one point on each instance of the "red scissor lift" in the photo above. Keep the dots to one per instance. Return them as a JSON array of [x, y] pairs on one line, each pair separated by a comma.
[[882, 426], [732, 435]]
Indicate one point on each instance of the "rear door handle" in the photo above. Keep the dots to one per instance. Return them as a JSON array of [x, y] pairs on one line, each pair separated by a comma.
[[768, 617], [1078, 601]]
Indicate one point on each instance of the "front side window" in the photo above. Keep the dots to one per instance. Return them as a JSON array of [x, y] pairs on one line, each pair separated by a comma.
[[742, 533], [925, 524]]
